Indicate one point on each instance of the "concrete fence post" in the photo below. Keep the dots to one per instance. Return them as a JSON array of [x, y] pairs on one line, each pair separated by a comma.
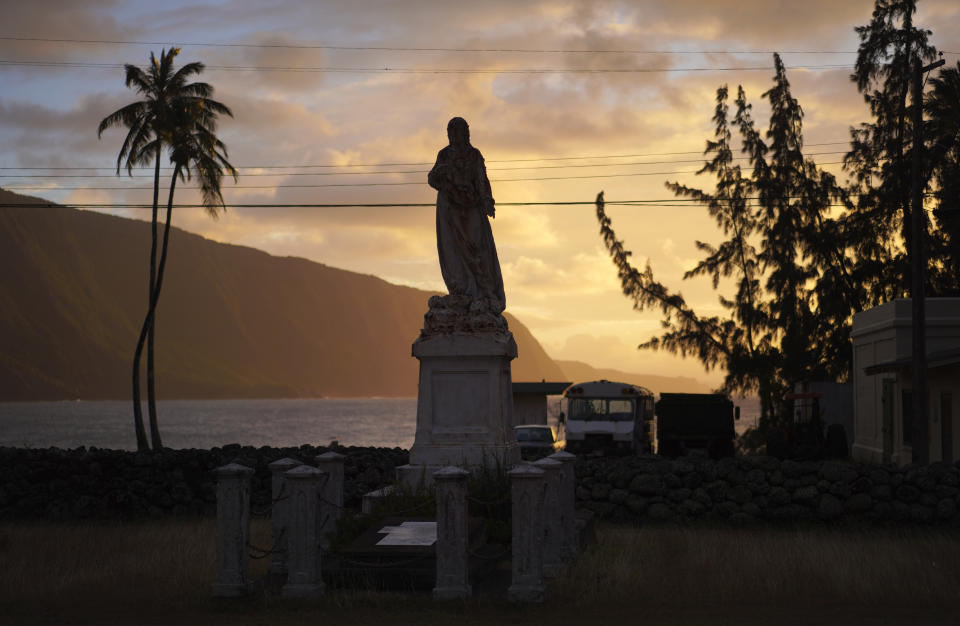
[[567, 492], [303, 560], [552, 528], [331, 493], [452, 534], [527, 492], [233, 531], [280, 512]]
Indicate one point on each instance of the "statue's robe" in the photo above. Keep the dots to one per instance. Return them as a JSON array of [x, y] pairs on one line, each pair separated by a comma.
[[468, 255]]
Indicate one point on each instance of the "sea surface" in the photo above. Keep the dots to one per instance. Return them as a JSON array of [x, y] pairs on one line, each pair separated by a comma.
[[381, 422]]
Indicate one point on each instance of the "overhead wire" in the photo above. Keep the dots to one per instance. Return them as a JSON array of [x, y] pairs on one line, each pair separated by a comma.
[[291, 46], [497, 169], [419, 70]]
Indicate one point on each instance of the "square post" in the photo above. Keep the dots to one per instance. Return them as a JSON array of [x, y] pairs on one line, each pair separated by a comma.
[[567, 492], [233, 531], [552, 528], [303, 561], [331, 493], [280, 512], [527, 492], [452, 534]]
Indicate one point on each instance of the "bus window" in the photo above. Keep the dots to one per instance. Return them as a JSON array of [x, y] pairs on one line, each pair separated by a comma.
[[621, 410], [586, 410]]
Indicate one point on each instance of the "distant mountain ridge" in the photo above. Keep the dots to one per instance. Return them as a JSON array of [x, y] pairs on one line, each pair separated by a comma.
[[232, 322], [579, 372]]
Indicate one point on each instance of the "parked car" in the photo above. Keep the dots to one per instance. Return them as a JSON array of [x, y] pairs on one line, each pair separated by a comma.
[[537, 440]]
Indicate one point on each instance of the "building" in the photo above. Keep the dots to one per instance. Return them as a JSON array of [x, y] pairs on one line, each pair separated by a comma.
[[530, 401], [882, 378]]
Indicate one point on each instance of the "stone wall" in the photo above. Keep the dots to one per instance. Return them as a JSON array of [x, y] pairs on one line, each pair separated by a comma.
[[764, 489], [54, 484]]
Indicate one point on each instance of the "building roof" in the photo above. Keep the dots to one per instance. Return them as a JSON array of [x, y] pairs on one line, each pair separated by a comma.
[[543, 388], [941, 358]]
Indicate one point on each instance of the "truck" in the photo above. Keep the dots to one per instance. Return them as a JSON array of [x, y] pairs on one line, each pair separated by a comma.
[[608, 416], [700, 422]]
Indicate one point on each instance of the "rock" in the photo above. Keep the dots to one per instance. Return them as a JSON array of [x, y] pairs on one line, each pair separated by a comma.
[[660, 512], [739, 494], [830, 508], [751, 509], [830, 471], [946, 509], [806, 495], [691, 508], [618, 496], [858, 503], [779, 496], [647, 485], [600, 492], [907, 493]]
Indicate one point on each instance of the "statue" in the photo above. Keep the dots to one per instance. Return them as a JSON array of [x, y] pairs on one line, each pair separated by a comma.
[[468, 255]]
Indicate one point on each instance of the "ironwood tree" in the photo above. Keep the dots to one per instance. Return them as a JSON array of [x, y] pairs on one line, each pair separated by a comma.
[[784, 253]]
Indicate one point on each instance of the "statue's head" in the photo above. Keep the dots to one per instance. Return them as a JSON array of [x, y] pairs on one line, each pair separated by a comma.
[[458, 132]]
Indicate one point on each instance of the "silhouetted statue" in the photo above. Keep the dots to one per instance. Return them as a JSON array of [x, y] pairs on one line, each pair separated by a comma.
[[468, 255]]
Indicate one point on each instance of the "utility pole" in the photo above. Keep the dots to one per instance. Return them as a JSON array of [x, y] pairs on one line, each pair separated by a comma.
[[921, 425]]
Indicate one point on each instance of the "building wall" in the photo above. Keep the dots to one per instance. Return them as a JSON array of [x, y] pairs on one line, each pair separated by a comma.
[[884, 334], [529, 409]]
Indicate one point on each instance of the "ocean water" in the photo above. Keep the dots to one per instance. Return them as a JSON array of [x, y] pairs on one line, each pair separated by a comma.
[[382, 422]]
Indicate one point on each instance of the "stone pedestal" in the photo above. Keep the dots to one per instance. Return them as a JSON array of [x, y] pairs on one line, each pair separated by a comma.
[[527, 490], [303, 559], [452, 535], [552, 523], [464, 405], [567, 492], [279, 513], [233, 531], [331, 494]]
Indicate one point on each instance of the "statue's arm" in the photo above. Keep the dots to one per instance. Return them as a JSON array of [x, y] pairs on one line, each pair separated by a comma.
[[436, 176], [486, 193]]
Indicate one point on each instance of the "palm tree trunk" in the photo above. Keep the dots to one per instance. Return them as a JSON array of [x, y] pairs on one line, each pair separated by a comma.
[[151, 386], [142, 442], [155, 296]]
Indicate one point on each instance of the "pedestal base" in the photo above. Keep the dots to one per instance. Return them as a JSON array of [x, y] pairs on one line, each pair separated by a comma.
[[464, 404]]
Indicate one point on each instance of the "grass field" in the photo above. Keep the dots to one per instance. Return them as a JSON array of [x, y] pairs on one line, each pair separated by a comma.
[[160, 573]]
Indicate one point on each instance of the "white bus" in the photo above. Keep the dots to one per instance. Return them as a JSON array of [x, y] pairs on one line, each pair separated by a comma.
[[605, 415]]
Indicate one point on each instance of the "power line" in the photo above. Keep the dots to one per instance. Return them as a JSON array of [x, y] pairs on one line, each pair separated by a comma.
[[413, 49], [393, 184], [498, 169], [326, 165], [413, 70]]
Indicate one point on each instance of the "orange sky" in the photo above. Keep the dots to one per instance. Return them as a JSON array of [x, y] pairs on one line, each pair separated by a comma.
[[557, 276]]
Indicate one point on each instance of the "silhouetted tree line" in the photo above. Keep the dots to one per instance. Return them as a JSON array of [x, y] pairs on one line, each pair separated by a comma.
[[803, 250]]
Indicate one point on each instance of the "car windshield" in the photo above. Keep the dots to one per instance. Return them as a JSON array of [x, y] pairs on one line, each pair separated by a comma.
[[539, 435]]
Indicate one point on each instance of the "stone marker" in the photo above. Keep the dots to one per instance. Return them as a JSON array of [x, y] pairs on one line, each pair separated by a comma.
[[303, 561], [552, 528], [279, 513], [233, 531], [567, 492], [452, 534], [331, 493], [527, 492]]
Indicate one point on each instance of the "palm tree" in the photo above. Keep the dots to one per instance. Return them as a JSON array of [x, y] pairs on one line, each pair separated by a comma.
[[152, 125]]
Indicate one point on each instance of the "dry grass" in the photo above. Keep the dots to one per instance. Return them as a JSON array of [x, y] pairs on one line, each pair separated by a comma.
[[161, 573], [683, 566]]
